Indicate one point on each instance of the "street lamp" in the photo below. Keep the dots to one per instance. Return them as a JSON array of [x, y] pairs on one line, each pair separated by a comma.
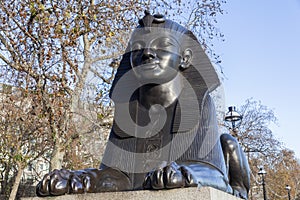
[[233, 118], [288, 188], [262, 173]]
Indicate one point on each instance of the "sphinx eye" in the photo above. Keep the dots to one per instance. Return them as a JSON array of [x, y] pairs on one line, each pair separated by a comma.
[[166, 43], [137, 46]]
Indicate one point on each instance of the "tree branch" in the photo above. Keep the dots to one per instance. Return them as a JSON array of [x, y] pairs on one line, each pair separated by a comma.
[[114, 55], [106, 80]]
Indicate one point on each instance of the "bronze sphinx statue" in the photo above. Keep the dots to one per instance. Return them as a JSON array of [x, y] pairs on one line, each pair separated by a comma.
[[165, 131]]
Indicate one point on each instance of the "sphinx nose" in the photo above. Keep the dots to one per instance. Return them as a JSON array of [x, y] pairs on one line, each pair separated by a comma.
[[148, 53]]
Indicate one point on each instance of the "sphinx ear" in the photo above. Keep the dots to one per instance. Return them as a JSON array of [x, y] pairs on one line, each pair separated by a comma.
[[186, 59]]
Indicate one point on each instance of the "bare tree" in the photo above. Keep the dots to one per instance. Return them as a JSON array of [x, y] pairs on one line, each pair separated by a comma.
[[283, 170], [23, 133], [51, 43], [254, 132]]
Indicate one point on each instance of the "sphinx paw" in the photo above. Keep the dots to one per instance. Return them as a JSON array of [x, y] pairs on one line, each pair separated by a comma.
[[171, 176], [240, 192], [54, 183]]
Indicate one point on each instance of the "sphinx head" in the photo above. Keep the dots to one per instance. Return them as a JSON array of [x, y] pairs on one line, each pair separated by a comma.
[[157, 50]]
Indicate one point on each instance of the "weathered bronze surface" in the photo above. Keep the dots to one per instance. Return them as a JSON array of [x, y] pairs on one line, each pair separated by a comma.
[[165, 131]]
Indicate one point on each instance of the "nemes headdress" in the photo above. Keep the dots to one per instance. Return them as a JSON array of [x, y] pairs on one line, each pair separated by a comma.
[[200, 62], [201, 78]]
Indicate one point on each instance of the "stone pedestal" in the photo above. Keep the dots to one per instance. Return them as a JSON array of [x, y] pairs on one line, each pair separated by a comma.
[[192, 193]]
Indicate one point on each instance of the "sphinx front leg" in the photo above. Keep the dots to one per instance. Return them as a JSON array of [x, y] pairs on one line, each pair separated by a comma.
[[237, 166]]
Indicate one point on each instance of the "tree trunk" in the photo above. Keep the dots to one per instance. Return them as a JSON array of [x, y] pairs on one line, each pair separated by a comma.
[[5, 189], [58, 151], [16, 184], [57, 157]]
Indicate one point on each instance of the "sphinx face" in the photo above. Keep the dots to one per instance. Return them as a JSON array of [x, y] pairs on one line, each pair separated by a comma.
[[155, 56]]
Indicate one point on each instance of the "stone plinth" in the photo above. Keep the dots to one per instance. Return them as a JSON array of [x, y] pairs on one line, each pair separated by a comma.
[[205, 193]]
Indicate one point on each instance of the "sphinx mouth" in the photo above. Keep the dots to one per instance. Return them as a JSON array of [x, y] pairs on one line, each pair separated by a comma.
[[152, 64], [149, 66]]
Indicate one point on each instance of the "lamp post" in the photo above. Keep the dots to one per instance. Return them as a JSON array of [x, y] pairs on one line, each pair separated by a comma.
[[233, 118], [262, 173], [288, 188]]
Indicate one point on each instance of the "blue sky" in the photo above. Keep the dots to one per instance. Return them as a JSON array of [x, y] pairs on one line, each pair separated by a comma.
[[261, 59]]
